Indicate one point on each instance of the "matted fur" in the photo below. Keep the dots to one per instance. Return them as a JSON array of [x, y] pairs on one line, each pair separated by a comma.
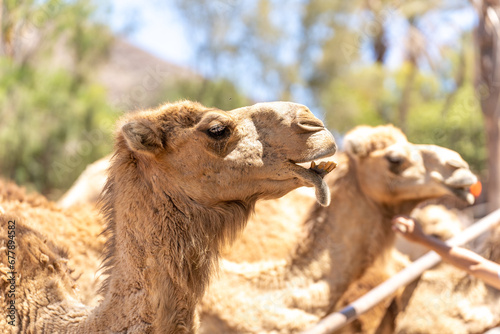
[[9, 191], [80, 238]]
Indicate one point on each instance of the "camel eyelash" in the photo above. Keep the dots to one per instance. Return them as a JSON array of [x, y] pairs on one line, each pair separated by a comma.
[[218, 131]]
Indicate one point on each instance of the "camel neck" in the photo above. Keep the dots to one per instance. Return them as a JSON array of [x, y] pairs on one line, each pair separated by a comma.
[[334, 250], [161, 251]]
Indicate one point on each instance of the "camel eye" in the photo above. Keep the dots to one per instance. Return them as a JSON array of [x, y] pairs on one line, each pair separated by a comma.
[[394, 160], [218, 131], [395, 163]]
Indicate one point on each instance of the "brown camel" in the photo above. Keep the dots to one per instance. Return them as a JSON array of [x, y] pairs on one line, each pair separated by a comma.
[[379, 176], [182, 182]]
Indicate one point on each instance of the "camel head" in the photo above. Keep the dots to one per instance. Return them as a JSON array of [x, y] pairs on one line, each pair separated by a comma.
[[214, 156], [405, 172]]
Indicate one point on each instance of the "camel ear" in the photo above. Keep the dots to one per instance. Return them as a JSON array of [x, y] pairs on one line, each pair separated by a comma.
[[355, 146], [142, 136]]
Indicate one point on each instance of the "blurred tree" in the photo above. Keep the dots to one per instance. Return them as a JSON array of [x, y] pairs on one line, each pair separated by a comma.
[[272, 47], [375, 100], [459, 129], [55, 120], [488, 88]]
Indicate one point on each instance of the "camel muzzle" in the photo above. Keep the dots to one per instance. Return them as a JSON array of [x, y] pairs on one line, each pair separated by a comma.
[[460, 182]]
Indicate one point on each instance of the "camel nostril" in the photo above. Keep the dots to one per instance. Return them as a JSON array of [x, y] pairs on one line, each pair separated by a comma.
[[308, 122], [311, 126], [457, 163], [461, 178]]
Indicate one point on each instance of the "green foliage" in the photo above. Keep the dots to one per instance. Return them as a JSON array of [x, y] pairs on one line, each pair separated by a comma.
[[49, 130], [55, 119], [358, 97], [371, 95], [459, 128]]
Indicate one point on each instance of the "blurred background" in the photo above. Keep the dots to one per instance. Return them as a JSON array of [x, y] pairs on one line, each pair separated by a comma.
[[70, 68]]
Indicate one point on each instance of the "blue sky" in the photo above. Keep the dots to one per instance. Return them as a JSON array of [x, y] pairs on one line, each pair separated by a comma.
[[157, 30]]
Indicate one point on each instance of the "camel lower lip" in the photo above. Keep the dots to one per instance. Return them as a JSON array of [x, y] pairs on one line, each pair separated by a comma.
[[322, 169], [464, 194], [313, 178]]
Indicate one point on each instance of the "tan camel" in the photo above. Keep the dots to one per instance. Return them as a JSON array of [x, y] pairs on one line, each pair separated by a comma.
[[380, 175], [182, 182]]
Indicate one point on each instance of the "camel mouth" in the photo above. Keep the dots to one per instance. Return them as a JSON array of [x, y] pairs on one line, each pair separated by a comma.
[[323, 168], [313, 177], [463, 193], [459, 184]]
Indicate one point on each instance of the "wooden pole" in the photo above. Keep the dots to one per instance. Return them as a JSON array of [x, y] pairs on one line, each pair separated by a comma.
[[341, 318]]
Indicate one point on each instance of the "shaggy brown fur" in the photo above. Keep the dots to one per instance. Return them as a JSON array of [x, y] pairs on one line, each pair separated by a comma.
[[182, 182], [379, 176], [43, 287], [81, 238]]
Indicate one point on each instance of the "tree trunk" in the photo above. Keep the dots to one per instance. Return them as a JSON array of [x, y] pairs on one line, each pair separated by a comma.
[[488, 88]]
